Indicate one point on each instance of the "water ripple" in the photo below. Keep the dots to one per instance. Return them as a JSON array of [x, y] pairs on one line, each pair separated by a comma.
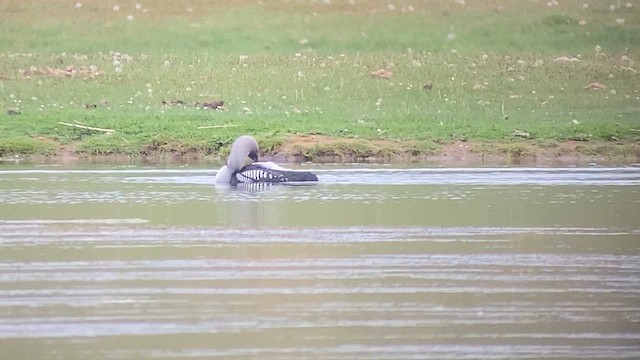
[[368, 264], [381, 176]]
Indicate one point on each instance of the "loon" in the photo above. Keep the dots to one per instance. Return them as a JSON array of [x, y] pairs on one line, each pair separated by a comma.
[[236, 172]]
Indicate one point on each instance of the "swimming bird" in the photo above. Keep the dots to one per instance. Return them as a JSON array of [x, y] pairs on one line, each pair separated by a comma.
[[236, 172]]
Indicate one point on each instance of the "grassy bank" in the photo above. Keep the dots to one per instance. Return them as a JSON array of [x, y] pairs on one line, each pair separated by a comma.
[[519, 73]]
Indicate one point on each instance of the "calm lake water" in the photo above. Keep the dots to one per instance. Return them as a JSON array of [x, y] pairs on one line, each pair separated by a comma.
[[371, 263]]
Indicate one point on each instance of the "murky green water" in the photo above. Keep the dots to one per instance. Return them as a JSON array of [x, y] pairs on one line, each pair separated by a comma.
[[371, 263]]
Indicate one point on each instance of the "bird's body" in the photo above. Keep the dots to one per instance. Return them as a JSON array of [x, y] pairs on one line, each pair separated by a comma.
[[268, 172]]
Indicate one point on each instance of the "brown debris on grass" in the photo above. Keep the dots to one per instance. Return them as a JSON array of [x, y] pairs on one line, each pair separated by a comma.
[[520, 133], [381, 74], [595, 86], [182, 103], [214, 105], [69, 71], [173, 102]]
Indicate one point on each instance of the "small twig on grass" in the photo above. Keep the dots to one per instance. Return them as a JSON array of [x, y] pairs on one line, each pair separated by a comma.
[[85, 127], [216, 126]]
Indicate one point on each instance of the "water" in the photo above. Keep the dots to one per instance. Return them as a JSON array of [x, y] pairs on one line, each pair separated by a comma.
[[371, 263]]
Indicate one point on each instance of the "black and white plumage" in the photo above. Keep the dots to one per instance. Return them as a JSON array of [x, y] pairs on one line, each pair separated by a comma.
[[236, 172], [268, 172]]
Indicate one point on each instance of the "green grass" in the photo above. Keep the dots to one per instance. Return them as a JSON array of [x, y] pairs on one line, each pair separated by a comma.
[[286, 68]]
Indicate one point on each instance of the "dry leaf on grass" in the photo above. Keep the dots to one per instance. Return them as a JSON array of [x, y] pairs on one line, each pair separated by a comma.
[[381, 73], [595, 86]]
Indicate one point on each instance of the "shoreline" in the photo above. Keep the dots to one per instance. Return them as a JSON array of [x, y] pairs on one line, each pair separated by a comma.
[[325, 150]]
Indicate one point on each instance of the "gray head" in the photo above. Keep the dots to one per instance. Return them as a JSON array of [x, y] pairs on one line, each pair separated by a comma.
[[244, 146]]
